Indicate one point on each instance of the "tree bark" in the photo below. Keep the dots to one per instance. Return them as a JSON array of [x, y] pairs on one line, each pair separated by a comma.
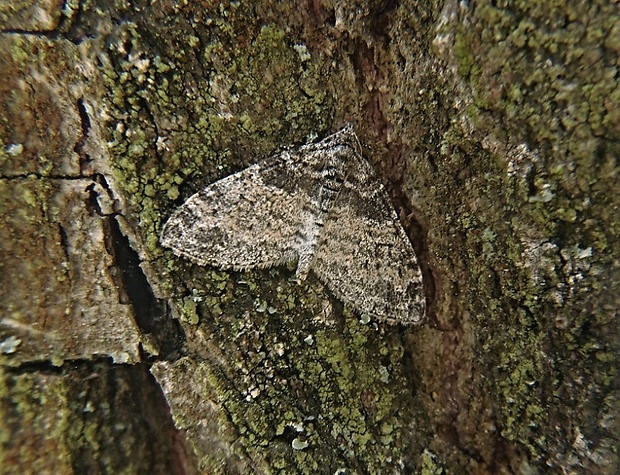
[[495, 128]]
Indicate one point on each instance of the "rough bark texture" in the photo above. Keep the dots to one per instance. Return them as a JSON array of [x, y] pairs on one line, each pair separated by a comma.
[[494, 125]]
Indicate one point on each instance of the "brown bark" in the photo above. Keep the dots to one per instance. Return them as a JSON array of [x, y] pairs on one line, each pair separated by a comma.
[[494, 127]]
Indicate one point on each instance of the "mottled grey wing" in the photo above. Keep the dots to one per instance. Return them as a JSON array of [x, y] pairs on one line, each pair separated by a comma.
[[364, 255], [245, 220]]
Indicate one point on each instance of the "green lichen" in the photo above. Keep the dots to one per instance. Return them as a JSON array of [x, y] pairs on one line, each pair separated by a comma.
[[21, 53], [464, 55], [264, 407], [540, 68], [348, 402], [143, 87], [28, 400], [188, 312], [429, 465], [235, 88], [261, 86]]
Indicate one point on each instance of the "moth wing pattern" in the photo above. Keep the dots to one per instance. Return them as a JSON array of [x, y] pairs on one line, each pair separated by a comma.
[[243, 221], [364, 255], [321, 205]]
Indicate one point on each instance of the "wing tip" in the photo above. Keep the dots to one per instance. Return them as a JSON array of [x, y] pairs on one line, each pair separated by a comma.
[[345, 136]]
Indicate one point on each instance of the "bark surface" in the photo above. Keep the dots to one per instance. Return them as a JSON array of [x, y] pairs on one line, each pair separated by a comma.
[[495, 127]]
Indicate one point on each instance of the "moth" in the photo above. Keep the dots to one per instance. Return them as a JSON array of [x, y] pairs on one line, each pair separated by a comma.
[[321, 206]]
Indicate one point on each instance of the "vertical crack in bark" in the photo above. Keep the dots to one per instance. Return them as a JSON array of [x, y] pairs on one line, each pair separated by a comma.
[[64, 243], [85, 160], [151, 313], [147, 308]]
